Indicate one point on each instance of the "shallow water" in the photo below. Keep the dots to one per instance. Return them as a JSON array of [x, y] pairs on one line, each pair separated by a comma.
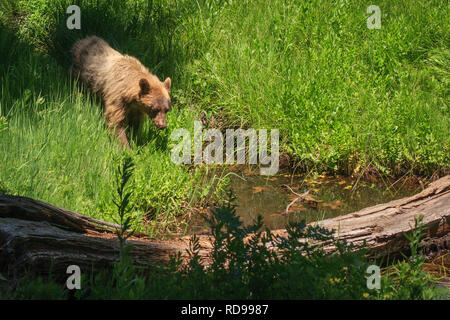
[[328, 197]]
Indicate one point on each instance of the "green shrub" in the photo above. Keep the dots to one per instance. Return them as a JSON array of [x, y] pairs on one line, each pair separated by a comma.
[[407, 280]]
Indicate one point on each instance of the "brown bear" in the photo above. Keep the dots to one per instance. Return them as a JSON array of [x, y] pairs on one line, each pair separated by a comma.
[[128, 90]]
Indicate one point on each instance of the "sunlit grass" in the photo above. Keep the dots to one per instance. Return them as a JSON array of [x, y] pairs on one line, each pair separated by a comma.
[[342, 95], [55, 148]]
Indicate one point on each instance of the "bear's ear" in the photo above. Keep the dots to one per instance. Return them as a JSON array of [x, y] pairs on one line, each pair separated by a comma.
[[145, 86], [167, 83]]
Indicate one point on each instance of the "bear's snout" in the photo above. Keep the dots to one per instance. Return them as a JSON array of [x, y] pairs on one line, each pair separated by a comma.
[[160, 123]]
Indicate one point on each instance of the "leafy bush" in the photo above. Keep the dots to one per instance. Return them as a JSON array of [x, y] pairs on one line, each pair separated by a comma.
[[407, 280]]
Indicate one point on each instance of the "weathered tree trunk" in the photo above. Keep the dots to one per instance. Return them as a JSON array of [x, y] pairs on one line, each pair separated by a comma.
[[382, 227], [38, 236]]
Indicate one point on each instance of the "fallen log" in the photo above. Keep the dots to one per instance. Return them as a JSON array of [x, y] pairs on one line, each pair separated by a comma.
[[382, 227], [38, 236]]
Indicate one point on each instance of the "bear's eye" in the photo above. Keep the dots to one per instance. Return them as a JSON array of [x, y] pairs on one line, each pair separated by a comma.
[[153, 113]]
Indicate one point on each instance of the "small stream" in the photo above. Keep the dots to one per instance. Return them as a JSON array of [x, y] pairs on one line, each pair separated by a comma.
[[328, 197]]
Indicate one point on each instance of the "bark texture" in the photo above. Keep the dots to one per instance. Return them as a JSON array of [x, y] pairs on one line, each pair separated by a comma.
[[37, 236]]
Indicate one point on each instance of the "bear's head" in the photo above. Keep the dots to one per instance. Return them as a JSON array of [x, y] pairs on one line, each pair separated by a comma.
[[154, 100]]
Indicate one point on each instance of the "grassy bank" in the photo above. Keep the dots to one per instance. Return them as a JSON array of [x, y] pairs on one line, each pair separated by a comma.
[[55, 147], [343, 96]]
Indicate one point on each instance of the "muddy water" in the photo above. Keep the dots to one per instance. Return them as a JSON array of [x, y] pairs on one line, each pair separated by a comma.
[[328, 197]]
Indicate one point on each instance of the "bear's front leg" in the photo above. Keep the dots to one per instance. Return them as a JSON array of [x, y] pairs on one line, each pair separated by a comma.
[[116, 120], [120, 133]]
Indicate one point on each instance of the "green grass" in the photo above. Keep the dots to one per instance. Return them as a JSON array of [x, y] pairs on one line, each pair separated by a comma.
[[343, 96], [55, 148]]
